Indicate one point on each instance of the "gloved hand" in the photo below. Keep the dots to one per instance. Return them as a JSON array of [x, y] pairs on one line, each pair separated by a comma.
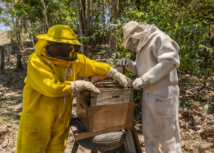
[[139, 83], [122, 79], [154, 74], [83, 85], [129, 65]]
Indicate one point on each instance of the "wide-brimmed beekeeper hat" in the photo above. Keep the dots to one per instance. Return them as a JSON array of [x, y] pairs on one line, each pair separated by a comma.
[[60, 34], [128, 30]]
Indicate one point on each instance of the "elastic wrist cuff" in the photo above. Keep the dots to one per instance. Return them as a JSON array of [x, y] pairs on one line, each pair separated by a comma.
[[111, 73], [145, 79], [73, 87]]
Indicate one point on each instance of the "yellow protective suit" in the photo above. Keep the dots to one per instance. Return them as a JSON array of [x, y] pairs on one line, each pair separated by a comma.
[[47, 100]]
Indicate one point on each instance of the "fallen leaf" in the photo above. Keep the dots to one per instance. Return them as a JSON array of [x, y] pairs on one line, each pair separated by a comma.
[[206, 106], [11, 142], [4, 144], [183, 130], [3, 131], [189, 134]]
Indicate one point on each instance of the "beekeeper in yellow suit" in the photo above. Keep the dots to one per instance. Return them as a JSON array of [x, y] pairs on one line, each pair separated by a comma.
[[52, 73]]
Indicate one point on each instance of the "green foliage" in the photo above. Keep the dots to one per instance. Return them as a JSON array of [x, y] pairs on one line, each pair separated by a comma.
[[184, 102], [1, 9], [2, 119], [188, 23], [181, 24], [138, 113]]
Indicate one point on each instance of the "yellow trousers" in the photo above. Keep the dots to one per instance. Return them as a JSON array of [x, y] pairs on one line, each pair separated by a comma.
[[44, 131]]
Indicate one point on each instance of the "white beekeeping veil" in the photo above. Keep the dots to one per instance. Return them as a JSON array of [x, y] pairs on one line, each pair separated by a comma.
[[134, 35]]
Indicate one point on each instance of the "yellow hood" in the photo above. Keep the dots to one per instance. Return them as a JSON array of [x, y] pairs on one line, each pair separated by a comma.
[[61, 61]]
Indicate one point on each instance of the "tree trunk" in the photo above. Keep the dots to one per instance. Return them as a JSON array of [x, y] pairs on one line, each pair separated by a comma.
[[8, 53], [103, 7], [82, 5], [20, 45], [88, 52], [32, 40], [44, 29], [83, 15], [1, 59], [138, 3], [92, 10], [88, 13], [19, 62], [116, 9], [45, 13], [1, 71], [116, 15], [80, 27], [31, 33], [60, 14], [90, 49]]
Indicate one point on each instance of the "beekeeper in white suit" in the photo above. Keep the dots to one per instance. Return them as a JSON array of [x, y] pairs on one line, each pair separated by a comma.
[[156, 62]]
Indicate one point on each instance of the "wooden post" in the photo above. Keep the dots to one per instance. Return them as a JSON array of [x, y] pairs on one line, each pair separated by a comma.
[[129, 142], [1, 62], [122, 149], [136, 140], [8, 53], [75, 147]]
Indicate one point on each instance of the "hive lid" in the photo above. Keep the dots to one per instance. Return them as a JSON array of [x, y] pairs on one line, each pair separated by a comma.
[[108, 85]]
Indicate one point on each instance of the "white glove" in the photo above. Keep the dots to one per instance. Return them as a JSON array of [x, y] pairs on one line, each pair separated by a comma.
[[139, 83], [129, 65], [154, 74], [80, 85], [122, 79]]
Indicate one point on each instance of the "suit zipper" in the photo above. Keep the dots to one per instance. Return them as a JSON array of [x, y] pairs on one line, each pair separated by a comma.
[[64, 99]]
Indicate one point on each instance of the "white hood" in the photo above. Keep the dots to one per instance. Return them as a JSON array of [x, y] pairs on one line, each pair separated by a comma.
[[146, 37]]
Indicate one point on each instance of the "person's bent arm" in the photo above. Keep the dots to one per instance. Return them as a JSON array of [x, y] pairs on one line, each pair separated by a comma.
[[90, 67], [41, 78]]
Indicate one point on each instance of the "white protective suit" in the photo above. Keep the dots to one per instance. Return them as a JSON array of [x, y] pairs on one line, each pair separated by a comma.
[[156, 62]]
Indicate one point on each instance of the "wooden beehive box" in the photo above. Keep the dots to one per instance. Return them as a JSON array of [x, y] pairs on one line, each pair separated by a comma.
[[112, 110]]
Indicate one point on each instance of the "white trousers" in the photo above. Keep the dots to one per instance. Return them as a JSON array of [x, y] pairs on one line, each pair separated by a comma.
[[160, 121]]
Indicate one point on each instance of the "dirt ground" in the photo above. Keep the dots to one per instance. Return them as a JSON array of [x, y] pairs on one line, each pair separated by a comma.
[[196, 121]]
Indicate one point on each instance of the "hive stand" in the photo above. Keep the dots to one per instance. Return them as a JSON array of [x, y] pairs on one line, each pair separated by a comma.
[[122, 142]]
